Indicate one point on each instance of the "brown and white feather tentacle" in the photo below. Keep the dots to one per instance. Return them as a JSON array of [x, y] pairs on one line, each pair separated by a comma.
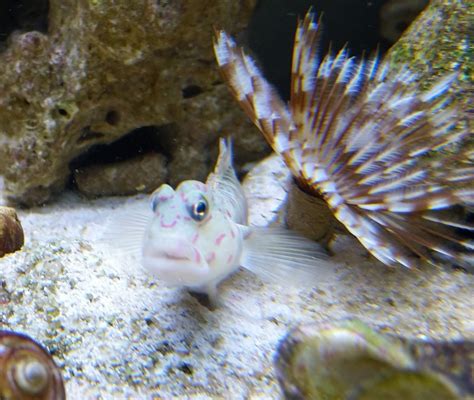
[[360, 135], [256, 96]]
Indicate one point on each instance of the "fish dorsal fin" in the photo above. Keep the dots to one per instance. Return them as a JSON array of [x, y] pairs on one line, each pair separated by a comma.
[[282, 256], [226, 188]]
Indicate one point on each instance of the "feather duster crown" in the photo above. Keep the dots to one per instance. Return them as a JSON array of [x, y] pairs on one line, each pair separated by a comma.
[[356, 134]]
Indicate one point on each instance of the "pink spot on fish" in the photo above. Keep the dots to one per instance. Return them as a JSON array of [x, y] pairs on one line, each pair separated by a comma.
[[197, 256], [195, 238], [219, 239], [232, 233], [164, 224], [211, 257], [164, 197], [230, 258]]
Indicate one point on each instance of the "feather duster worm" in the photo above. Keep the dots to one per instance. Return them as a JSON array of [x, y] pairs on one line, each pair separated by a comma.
[[356, 134]]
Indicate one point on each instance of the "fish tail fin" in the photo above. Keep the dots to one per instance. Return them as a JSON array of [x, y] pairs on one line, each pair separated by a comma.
[[282, 256]]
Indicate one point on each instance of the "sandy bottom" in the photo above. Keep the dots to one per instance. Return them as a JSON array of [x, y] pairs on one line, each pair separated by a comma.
[[117, 333]]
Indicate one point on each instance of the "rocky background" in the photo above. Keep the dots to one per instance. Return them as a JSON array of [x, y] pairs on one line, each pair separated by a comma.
[[99, 70], [118, 97]]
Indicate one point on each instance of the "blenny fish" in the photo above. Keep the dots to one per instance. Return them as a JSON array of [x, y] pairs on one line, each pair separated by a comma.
[[197, 235]]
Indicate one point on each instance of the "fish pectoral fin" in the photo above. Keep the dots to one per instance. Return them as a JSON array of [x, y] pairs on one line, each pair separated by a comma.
[[282, 256], [124, 232]]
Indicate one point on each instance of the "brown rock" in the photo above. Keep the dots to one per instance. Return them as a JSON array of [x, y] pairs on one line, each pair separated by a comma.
[[106, 68], [11, 231], [140, 174]]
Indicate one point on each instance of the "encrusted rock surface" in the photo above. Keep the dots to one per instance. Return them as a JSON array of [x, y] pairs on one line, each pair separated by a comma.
[[106, 68], [117, 333], [439, 42]]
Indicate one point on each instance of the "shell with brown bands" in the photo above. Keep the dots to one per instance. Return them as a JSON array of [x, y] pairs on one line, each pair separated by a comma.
[[11, 231], [27, 371]]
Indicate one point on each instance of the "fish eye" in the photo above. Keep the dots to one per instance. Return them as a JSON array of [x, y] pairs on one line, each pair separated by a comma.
[[199, 210], [154, 203]]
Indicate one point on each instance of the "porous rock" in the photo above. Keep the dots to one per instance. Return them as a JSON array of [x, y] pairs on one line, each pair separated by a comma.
[[106, 68]]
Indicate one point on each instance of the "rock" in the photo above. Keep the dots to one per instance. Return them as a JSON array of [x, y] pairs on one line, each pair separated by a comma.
[[106, 68], [11, 231], [349, 360], [397, 15], [436, 43], [140, 174]]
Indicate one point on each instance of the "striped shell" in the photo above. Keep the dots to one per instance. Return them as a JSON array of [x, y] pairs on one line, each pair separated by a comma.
[[27, 371]]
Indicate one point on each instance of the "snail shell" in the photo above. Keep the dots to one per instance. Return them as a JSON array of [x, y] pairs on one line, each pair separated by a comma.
[[11, 231], [27, 371], [348, 360]]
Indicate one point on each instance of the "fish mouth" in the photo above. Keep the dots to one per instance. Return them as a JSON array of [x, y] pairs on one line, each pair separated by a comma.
[[175, 261], [169, 255]]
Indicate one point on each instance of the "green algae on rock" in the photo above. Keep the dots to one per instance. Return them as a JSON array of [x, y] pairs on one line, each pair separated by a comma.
[[106, 68], [438, 42], [349, 360]]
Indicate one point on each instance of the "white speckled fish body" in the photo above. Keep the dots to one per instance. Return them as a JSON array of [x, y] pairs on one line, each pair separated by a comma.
[[184, 247], [197, 235]]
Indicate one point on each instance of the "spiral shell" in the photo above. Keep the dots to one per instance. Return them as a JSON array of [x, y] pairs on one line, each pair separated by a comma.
[[11, 231], [27, 371]]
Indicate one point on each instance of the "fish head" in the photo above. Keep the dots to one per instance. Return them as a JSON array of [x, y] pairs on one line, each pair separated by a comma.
[[189, 240]]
